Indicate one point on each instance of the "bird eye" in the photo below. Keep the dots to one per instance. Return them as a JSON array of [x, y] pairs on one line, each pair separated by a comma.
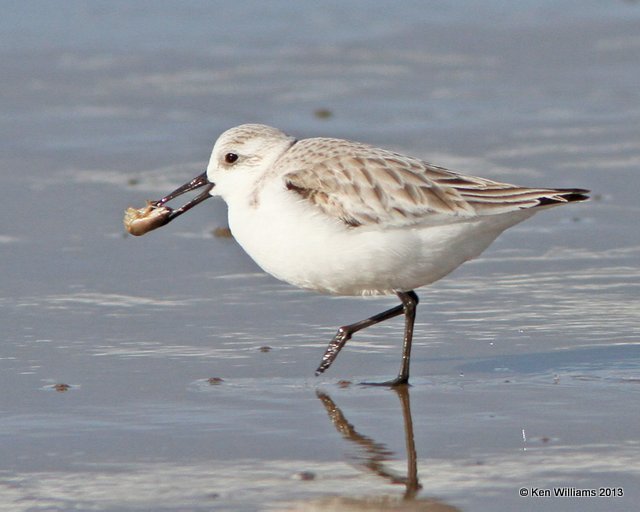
[[230, 158]]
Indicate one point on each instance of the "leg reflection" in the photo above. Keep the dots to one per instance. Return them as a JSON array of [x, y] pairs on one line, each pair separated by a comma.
[[376, 454]]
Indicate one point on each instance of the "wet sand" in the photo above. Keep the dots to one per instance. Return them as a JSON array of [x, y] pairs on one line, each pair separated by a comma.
[[133, 370]]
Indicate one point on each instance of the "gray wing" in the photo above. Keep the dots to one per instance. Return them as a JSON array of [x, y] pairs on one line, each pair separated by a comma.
[[363, 185]]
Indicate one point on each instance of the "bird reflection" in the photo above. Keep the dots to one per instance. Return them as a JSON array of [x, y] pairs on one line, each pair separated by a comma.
[[377, 453], [375, 457]]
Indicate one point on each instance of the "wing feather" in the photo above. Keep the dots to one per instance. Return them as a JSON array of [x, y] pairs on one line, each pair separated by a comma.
[[363, 185]]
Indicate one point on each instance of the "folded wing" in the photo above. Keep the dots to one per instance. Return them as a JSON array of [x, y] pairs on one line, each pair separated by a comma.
[[362, 185]]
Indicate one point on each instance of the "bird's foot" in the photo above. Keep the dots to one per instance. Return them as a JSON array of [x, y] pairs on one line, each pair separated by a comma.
[[338, 341], [400, 380]]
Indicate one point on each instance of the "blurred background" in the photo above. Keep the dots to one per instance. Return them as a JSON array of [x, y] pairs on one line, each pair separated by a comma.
[[525, 363]]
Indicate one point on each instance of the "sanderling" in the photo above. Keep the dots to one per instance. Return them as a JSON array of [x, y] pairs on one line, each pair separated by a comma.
[[346, 218]]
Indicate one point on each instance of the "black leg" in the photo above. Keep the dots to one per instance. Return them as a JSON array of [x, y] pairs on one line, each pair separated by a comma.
[[408, 308], [410, 302]]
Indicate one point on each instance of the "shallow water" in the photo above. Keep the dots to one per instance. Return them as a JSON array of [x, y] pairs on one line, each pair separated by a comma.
[[526, 363]]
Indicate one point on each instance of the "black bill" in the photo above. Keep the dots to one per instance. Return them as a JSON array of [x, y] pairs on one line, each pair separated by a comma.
[[156, 214], [196, 183]]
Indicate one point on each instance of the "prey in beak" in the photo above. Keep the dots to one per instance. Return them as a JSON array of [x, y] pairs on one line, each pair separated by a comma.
[[156, 214]]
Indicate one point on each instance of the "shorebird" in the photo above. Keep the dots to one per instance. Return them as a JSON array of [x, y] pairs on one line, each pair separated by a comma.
[[346, 218]]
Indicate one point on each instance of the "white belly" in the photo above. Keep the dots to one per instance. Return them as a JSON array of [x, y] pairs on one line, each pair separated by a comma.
[[298, 244]]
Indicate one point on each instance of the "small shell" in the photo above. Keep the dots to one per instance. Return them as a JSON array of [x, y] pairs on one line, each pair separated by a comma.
[[141, 221]]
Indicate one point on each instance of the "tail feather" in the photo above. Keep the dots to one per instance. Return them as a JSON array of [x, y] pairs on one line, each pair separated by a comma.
[[486, 202], [563, 195]]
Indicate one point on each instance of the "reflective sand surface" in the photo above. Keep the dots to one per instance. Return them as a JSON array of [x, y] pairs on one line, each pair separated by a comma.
[[133, 371]]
